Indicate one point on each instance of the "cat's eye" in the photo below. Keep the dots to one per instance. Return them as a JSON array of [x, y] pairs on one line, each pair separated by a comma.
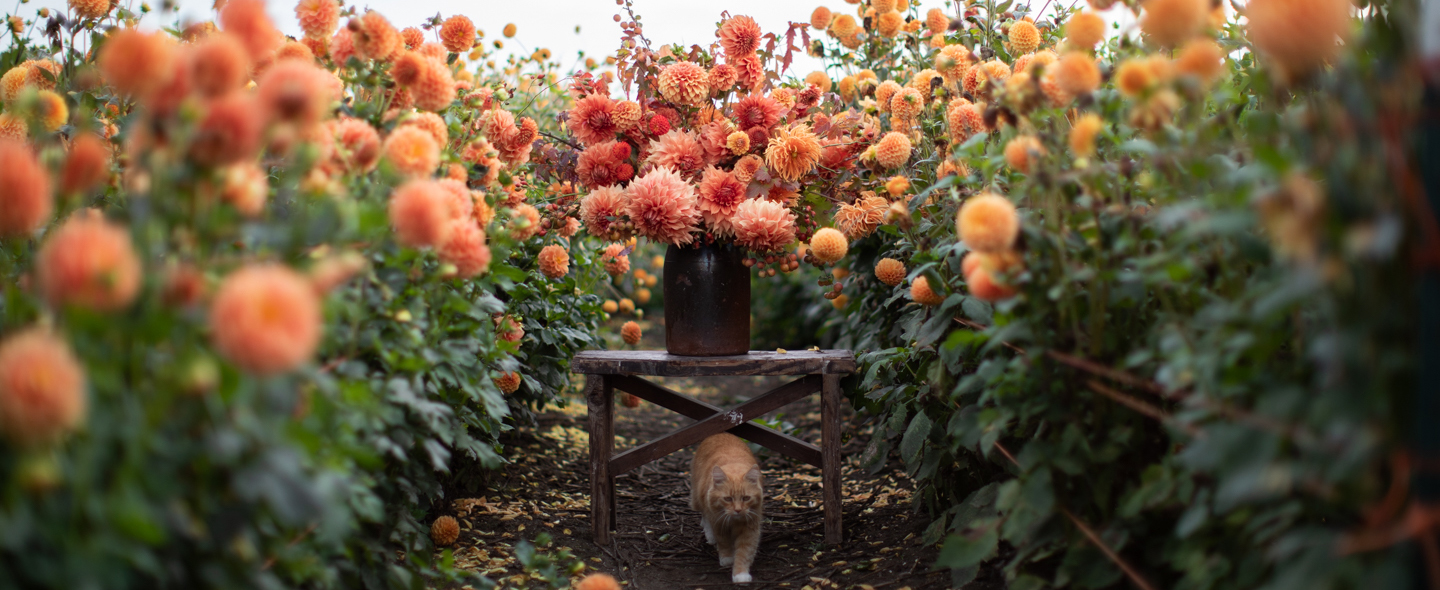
[[729, 498], [746, 498]]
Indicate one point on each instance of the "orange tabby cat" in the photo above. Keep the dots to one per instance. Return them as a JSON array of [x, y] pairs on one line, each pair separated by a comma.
[[725, 488]]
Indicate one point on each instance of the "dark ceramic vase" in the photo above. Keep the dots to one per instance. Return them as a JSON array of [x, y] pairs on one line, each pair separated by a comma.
[[707, 301]]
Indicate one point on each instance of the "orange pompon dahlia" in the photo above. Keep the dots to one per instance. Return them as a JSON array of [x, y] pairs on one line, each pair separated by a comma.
[[746, 168], [740, 36], [722, 78], [1297, 36], [893, 150], [820, 80], [246, 188], [374, 37], [936, 21], [405, 68], [554, 261], [737, 143], [220, 65], [420, 214], [87, 164], [445, 531], [1084, 30], [964, 121], [1022, 151], [342, 47], [1082, 135], [42, 389], [412, 38], [434, 87], [1173, 22], [921, 292], [630, 333], [412, 151], [1024, 36], [524, 221], [295, 91], [677, 150], [844, 26], [90, 9], [906, 103], [432, 124], [1075, 73], [88, 262], [318, 18], [457, 34], [459, 204], [50, 110], [598, 582], [820, 18], [508, 382], [26, 200], [266, 319], [603, 211], [593, 120], [605, 164], [229, 131], [137, 63], [884, 92], [684, 83], [829, 245], [1201, 58], [888, 24], [626, 115], [359, 144], [719, 194], [793, 152], [890, 271], [13, 82], [763, 226], [246, 19], [616, 263], [897, 185], [988, 223], [663, 207], [953, 61], [466, 249]]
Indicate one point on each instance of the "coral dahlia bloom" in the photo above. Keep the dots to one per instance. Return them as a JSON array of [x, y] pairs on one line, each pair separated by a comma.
[[459, 203], [457, 34], [888, 24], [137, 63], [359, 144], [723, 77], [1173, 22], [792, 152], [432, 124], [953, 61], [757, 110], [762, 225], [342, 46], [87, 164], [318, 18], [719, 194], [1085, 29], [747, 167], [630, 333], [740, 36], [266, 319], [525, 222], [434, 87], [420, 214], [554, 261], [466, 249], [1024, 37], [890, 271], [893, 150], [88, 262], [663, 207], [230, 130], [90, 9], [988, 223], [829, 245], [1075, 73], [921, 292], [412, 38], [26, 200], [295, 91], [508, 382], [374, 37], [677, 150], [751, 71], [42, 388], [1201, 58], [616, 263], [604, 164], [246, 19], [412, 151], [603, 210], [936, 21], [220, 64], [246, 188], [1022, 151], [685, 83], [1297, 36], [593, 119]]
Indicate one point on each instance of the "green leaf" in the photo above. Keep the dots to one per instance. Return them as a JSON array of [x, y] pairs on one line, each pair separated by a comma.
[[962, 551], [915, 436]]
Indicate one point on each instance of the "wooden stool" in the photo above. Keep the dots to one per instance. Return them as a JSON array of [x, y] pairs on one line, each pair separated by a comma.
[[608, 370]]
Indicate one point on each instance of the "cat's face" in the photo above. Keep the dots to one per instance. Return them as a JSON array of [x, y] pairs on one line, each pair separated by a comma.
[[735, 497]]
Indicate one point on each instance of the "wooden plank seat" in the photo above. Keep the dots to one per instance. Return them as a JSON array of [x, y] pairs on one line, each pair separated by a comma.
[[607, 371]]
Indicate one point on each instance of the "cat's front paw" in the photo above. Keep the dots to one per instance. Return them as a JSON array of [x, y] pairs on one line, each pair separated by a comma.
[[727, 560], [741, 578]]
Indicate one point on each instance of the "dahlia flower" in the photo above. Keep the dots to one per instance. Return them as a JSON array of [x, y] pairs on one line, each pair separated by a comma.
[[1201, 58], [434, 87], [266, 319], [458, 34], [921, 292], [752, 72], [1082, 135], [246, 19], [466, 249], [988, 223], [90, 9], [1024, 37], [136, 63], [719, 194], [412, 151], [508, 382], [459, 203], [626, 115], [26, 201], [524, 222], [1084, 30], [677, 150], [893, 150], [229, 131], [445, 531], [374, 37], [663, 207], [1021, 152], [1173, 22], [294, 91], [1075, 73], [318, 18], [756, 110], [359, 144], [246, 187], [630, 333], [863, 218], [420, 214], [432, 124], [723, 77], [554, 261], [90, 263], [740, 36], [890, 271], [42, 388], [792, 152], [592, 119], [412, 38], [604, 164], [829, 245], [685, 83], [747, 167], [1297, 36], [762, 226], [888, 24], [87, 164], [616, 263], [220, 64]]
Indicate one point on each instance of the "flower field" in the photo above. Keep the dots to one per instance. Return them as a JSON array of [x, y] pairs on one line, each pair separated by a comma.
[[1141, 290]]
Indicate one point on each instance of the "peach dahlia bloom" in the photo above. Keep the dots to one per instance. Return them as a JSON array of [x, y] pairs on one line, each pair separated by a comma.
[[420, 213], [604, 164], [87, 164], [719, 195], [685, 83], [677, 150], [318, 18], [630, 333], [829, 245], [229, 131], [466, 249], [412, 151], [266, 319], [740, 36], [554, 261], [26, 200], [137, 63], [792, 152], [219, 64], [88, 262], [90, 9], [988, 223], [593, 119], [42, 388], [1173, 22], [246, 19], [762, 225], [458, 34], [359, 144], [663, 207], [890, 271], [374, 37], [603, 210], [295, 91], [1298, 35], [616, 263]]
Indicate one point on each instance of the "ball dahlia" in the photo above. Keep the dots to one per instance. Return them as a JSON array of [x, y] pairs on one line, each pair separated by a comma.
[[220, 65], [229, 131], [508, 382], [247, 20], [266, 319], [829, 245], [630, 332], [457, 34], [358, 143], [1084, 30], [1297, 36], [1075, 73], [318, 18], [1201, 58], [445, 531], [598, 582], [524, 221], [374, 37], [87, 164], [936, 21], [664, 207], [1022, 151], [627, 115], [616, 263], [793, 152], [921, 292], [893, 150], [988, 223], [90, 9], [419, 212], [685, 83], [820, 18], [1173, 22], [26, 200], [42, 388], [1082, 135], [737, 143], [890, 271], [740, 36], [412, 151], [466, 249], [88, 262], [1024, 36], [136, 63], [888, 24], [762, 226], [983, 286], [295, 91], [434, 88], [604, 164]]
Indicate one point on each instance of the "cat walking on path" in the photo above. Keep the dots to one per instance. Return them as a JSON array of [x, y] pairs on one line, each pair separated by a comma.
[[725, 488]]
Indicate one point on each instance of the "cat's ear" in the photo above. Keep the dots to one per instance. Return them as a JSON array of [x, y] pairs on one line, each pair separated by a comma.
[[753, 475], [718, 475]]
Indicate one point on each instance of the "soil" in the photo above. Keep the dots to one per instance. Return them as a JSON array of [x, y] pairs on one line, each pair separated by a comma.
[[659, 545]]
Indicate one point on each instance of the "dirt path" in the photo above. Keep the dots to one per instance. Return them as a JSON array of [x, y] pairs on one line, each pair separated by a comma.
[[659, 545]]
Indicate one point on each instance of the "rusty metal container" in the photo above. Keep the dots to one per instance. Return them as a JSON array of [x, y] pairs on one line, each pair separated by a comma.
[[707, 301]]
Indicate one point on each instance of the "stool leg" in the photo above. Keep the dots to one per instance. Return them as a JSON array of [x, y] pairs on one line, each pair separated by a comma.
[[598, 395], [830, 458]]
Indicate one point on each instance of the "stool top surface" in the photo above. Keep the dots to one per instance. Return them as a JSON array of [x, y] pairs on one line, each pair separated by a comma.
[[758, 362]]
